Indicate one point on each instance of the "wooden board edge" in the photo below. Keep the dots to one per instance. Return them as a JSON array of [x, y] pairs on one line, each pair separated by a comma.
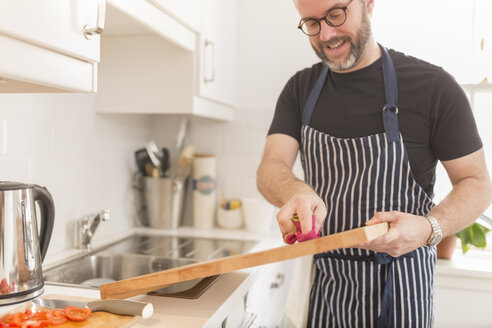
[[352, 237], [376, 230]]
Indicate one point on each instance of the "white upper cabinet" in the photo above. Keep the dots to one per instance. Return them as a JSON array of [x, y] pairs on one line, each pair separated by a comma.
[[482, 41], [53, 24], [152, 58], [44, 47], [218, 51], [186, 11], [138, 17]]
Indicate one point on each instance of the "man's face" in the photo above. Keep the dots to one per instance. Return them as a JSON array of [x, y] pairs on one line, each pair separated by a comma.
[[340, 48]]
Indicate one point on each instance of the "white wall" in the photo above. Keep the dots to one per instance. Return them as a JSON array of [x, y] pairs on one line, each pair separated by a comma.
[[84, 159]]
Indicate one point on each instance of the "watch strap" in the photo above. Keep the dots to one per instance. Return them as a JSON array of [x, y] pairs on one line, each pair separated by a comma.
[[436, 234]]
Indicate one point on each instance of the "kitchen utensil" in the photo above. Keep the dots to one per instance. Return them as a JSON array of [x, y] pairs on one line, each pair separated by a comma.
[[21, 249], [166, 159], [149, 282], [123, 307], [142, 158], [155, 156], [182, 130], [96, 319], [183, 167]]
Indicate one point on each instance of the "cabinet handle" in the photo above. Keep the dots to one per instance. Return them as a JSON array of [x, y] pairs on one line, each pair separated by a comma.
[[212, 75], [98, 29], [278, 281], [248, 323]]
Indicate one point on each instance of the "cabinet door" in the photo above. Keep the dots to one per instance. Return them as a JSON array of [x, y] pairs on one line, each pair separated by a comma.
[[217, 50], [187, 12], [268, 295], [482, 41], [54, 24]]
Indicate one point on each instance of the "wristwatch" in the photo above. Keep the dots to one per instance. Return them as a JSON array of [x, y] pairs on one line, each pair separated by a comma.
[[436, 234]]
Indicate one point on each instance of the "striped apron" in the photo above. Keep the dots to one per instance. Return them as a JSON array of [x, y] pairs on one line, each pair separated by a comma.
[[357, 177]]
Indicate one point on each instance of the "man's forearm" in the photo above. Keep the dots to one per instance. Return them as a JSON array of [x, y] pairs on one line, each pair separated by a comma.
[[278, 184], [463, 205]]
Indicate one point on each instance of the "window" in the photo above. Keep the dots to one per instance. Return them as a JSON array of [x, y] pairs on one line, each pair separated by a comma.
[[480, 96]]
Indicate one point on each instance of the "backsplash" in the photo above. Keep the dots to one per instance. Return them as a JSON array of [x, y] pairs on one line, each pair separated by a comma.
[[83, 158]]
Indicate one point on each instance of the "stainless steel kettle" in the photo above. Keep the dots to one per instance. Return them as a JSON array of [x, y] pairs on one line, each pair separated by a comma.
[[22, 250]]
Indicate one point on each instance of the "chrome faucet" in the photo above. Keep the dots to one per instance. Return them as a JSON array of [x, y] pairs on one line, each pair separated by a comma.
[[85, 229]]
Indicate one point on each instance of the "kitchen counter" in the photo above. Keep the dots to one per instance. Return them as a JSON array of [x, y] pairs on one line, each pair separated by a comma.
[[470, 272], [210, 309]]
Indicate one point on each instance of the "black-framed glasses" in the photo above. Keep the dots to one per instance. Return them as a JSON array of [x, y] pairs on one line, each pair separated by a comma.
[[334, 17]]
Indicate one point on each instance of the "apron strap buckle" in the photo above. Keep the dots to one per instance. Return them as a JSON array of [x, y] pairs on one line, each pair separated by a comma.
[[392, 108], [390, 121]]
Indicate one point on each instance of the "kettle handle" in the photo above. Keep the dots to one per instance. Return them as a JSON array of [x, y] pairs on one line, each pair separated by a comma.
[[47, 207]]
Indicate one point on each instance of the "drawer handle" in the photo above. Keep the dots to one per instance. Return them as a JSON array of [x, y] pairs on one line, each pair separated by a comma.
[[278, 281], [249, 319], [98, 29]]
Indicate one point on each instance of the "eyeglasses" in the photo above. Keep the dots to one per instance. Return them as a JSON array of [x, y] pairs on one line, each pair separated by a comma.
[[334, 17]]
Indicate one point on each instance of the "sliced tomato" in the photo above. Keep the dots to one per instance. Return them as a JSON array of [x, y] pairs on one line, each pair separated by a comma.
[[17, 319], [41, 315], [4, 286], [6, 318], [33, 324], [77, 314], [56, 317]]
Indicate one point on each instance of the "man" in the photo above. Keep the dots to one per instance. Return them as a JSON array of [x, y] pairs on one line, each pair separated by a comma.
[[370, 125]]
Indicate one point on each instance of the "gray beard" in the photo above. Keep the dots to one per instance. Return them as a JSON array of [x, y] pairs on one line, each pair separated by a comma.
[[356, 48]]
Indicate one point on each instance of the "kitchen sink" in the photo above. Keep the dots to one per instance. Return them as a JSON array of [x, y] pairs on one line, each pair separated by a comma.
[[142, 254]]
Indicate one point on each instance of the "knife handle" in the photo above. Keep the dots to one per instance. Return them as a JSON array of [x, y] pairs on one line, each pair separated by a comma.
[[123, 307]]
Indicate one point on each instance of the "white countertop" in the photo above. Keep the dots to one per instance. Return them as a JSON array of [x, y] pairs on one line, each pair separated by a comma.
[[473, 270], [209, 310]]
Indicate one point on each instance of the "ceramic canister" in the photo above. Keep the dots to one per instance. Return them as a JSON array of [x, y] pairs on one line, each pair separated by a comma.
[[204, 190]]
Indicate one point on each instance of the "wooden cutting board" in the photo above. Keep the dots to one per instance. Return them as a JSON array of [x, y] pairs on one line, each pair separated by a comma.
[[153, 281], [98, 319]]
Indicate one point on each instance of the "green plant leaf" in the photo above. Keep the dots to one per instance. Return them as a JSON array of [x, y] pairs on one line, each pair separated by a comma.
[[479, 239], [473, 235]]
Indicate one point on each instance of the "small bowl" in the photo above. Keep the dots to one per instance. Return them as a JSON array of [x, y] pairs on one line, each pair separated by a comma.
[[230, 219]]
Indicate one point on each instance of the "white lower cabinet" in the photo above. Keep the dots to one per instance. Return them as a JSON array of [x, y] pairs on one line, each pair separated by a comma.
[[266, 299]]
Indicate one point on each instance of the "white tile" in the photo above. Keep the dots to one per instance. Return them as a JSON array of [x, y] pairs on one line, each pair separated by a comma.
[[14, 168], [15, 106], [4, 145]]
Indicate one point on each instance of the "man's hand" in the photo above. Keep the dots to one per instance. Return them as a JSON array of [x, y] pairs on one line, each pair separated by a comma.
[[305, 205], [406, 233]]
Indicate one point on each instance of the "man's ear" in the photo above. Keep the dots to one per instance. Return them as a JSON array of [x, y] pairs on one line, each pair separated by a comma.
[[369, 6]]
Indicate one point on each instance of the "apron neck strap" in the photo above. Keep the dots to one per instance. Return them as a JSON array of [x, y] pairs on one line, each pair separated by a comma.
[[313, 97], [390, 109], [389, 75]]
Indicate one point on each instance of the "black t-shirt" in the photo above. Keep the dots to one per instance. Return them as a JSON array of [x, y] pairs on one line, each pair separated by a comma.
[[435, 118]]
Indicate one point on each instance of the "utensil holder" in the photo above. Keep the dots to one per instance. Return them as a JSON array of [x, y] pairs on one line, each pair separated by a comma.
[[162, 202]]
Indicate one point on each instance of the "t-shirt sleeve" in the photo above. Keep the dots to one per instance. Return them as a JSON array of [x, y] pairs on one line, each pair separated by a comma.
[[455, 132], [286, 119]]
